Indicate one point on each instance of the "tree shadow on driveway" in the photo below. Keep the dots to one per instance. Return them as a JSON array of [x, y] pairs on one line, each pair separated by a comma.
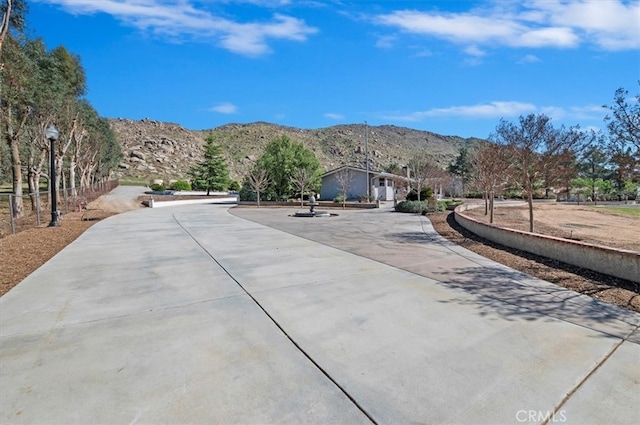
[[516, 296]]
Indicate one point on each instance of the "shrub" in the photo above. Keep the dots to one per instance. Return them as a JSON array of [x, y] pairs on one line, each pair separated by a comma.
[[445, 205], [364, 198], [247, 194], [448, 205], [433, 205], [339, 199], [234, 185], [180, 185], [425, 193], [475, 195], [157, 187], [413, 207]]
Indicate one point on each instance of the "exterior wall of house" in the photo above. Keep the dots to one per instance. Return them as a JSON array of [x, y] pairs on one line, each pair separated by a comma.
[[383, 186], [330, 187], [383, 189]]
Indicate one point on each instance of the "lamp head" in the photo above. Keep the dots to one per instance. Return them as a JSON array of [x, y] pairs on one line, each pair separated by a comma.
[[51, 133]]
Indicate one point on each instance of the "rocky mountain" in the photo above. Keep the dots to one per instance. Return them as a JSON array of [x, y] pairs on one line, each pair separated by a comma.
[[160, 150]]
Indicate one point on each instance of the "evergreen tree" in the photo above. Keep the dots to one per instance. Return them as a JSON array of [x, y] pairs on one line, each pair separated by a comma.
[[594, 164], [212, 173], [462, 167]]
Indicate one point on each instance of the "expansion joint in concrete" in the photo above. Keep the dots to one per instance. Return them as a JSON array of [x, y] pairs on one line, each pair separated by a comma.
[[275, 322], [593, 370]]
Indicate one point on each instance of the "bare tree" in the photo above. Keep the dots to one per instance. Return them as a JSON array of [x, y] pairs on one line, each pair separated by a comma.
[[344, 178], [420, 170], [435, 176], [259, 180], [302, 178], [534, 145], [624, 125], [491, 165]]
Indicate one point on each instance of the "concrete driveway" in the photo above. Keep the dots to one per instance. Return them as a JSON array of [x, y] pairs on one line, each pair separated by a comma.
[[205, 315]]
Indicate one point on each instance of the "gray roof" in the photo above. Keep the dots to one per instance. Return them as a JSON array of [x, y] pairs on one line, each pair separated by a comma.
[[374, 173]]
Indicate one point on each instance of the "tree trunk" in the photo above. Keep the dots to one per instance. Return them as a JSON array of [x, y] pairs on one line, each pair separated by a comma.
[[491, 196], [486, 203], [12, 136], [72, 177], [86, 167], [530, 201], [58, 178], [33, 187], [34, 173], [18, 205]]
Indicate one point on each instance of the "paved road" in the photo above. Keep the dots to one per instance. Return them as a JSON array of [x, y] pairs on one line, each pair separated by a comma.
[[199, 314]]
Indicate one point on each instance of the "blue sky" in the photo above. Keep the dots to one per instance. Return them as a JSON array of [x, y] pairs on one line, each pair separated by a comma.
[[450, 67]]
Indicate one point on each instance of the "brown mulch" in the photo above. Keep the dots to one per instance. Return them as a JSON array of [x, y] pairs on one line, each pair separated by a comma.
[[24, 252], [610, 289]]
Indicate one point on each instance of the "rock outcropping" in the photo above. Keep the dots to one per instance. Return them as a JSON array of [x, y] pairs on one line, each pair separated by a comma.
[[159, 150]]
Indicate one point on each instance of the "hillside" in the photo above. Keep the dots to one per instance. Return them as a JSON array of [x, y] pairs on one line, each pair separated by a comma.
[[154, 149]]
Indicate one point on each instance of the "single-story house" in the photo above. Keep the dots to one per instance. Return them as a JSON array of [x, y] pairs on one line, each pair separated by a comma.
[[383, 186]]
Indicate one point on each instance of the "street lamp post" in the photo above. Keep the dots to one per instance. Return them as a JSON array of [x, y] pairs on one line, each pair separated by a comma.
[[366, 155], [52, 134]]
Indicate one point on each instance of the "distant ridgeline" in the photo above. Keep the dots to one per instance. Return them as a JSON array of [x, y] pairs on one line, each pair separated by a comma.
[[153, 149]]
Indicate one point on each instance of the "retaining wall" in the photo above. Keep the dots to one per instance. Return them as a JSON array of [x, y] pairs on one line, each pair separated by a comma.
[[217, 200], [611, 261]]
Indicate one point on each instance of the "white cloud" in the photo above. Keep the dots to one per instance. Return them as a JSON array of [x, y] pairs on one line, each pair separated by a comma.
[[588, 112], [507, 110], [474, 56], [225, 108], [422, 53], [575, 113], [264, 3], [608, 24], [545, 37], [333, 116], [455, 27], [486, 110], [529, 59], [183, 19], [385, 41], [475, 51]]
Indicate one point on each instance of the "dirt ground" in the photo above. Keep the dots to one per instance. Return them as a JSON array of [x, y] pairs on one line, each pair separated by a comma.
[[595, 225], [24, 252]]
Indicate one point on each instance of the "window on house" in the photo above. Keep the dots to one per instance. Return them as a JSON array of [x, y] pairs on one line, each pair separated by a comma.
[[381, 182]]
